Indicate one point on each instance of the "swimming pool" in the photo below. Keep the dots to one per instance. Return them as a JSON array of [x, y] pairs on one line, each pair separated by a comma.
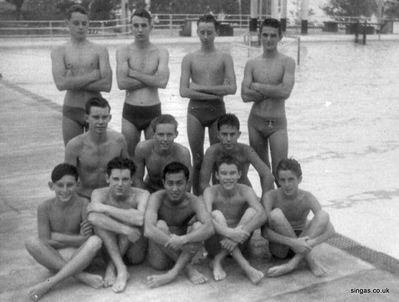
[[342, 116]]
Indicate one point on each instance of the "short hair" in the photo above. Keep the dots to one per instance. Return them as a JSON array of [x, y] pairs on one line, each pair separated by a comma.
[[164, 119], [96, 101], [228, 160], [291, 165], [228, 119], [271, 22], [76, 8], [63, 169], [142, 13], [175, 167], [208, 19], [121, 164]]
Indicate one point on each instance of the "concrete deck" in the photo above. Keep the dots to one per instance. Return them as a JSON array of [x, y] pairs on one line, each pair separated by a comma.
[[30, 144]]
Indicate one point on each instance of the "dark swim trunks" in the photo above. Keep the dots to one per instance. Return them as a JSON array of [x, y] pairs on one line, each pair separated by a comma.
[[267, 126], [206, 111], [75, 114], [141, 116]]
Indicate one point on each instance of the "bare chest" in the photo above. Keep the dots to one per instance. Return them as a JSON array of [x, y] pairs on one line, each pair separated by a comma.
[[65, 221], [81, 59], [268, 72], [93, 157], [146, 62]]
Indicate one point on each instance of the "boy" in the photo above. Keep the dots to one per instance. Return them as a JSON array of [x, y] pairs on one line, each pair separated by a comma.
[[288, 230], [236, 213], [228, 132], [65, 244], [212, 77], [154, 154], [141, 69], [91, 151], [82, 68], [268, 82], [175, 223], [117, 212]]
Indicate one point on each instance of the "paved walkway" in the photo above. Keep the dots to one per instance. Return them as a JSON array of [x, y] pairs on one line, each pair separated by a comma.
[[30, 144]]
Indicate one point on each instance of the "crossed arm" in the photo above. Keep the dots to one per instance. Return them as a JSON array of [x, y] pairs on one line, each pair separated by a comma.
[[59, 240], [252, 91], [132, 79], [99, 79], [206, 92]]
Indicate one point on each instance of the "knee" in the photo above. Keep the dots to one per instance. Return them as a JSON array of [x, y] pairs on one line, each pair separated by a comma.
[[217, 215], [93, 217], [250, 212], [276, 216], [323, 217], [161, 224], [32, 244], [94, 243]]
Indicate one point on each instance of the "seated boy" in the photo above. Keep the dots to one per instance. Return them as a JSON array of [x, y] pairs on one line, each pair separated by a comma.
[[176, 222], [236, 213], [117, 213], [65, 244], [228, 127], [288, 230]]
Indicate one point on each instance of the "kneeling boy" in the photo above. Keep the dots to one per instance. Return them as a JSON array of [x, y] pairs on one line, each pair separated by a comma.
[[65, 244], [176, 222], [288, 230], [236, 213]]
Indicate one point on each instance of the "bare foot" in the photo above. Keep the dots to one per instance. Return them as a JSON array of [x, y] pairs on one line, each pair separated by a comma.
[[159, 280], [253, 274], [92, 280], [280, 270], [109, 276], [195, 276], [120, 281], [315, 266], [218, 271], [39, 290]]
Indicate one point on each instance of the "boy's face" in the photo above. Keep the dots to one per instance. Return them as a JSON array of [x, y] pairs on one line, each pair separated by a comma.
[[289, 182], [141, 28], [165, 134], [175, 185], [206, 32], [78, 25], [64, 188], [270, 38], [120, 181], [228, 175], [98, 119], [228, 136]]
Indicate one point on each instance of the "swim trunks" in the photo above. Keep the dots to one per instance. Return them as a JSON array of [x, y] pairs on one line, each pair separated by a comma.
[[75, 114], [141, 116], [267, 126], [206, 111]]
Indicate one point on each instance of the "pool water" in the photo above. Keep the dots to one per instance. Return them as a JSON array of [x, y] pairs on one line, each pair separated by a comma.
[[343, 117]]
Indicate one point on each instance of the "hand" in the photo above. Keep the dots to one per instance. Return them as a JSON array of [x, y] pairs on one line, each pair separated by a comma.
[[96, 207], [95, 74], [228, 244], [239, 235], [132, 73], [301, 245], [175, 242], [86, 228], [133, 234]]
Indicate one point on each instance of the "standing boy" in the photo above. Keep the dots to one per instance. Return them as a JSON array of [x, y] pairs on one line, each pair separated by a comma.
[[141, 68], [236, 213], [176, 222], [228, 127], [268, 82], [82, 69], [288, 230], [207, 75], [117, 212], [65, 244], [91, 151], [154, 154]]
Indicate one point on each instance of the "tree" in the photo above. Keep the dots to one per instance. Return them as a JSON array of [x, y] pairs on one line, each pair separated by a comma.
[[391, 9], [350, 8], [18, 6]]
